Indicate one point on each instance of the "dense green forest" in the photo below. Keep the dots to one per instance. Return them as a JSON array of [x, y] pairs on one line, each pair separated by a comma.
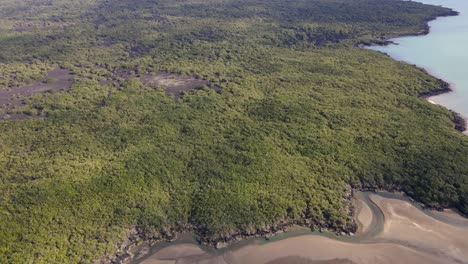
[[292, 117]]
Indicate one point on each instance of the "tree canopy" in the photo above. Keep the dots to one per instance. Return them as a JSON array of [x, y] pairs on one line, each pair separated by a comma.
[[294, 115]]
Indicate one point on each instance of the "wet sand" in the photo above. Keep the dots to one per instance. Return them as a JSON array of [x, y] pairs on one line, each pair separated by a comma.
[[406, 226], [299, 260], [173, 253], [406, 235], [363, 217], [307, 249], [451, 217]]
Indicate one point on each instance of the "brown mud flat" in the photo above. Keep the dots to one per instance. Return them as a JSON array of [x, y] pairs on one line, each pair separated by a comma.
[[57, 79], [414, 229], [299, 260], [363, 216], [450, 216], [407, 235]]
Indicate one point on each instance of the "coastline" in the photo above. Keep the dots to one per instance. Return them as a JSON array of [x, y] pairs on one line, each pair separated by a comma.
[[138, 243], [426, 28], [460, 122], [380, 229], [126, 250], [387, 39]]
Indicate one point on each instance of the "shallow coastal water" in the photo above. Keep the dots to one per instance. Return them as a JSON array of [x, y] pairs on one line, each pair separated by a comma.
[[392, 229], [443, 53]]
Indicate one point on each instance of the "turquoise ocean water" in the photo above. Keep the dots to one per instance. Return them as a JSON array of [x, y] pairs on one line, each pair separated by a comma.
[[443, 52]]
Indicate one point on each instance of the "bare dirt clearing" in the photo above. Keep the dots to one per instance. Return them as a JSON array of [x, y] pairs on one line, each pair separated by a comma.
[[23, 28], [174, 84], [57, 79]]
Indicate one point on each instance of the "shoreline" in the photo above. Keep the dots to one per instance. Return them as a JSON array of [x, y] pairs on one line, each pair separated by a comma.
[[426, 28], [387, 39], [376, 233], [137, 247], [138, 243], [460, 121]]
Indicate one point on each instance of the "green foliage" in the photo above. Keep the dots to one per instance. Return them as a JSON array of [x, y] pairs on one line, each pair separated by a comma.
[[302, 115]]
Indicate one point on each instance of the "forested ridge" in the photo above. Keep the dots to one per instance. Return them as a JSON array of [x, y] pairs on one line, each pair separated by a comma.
[[293, 116]]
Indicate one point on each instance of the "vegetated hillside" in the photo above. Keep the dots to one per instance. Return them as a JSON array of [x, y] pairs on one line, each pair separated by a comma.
[[292, 115]]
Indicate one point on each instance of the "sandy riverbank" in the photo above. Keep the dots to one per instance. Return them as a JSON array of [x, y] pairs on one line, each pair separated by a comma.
[[408, 235], [303, 249], [414, 229]]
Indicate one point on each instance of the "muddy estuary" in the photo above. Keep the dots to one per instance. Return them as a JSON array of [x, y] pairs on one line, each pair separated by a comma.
[[391, 230]]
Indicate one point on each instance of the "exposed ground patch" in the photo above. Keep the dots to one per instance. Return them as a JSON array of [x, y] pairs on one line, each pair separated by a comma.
[[57, 79], [23, 28], [174, 84]]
